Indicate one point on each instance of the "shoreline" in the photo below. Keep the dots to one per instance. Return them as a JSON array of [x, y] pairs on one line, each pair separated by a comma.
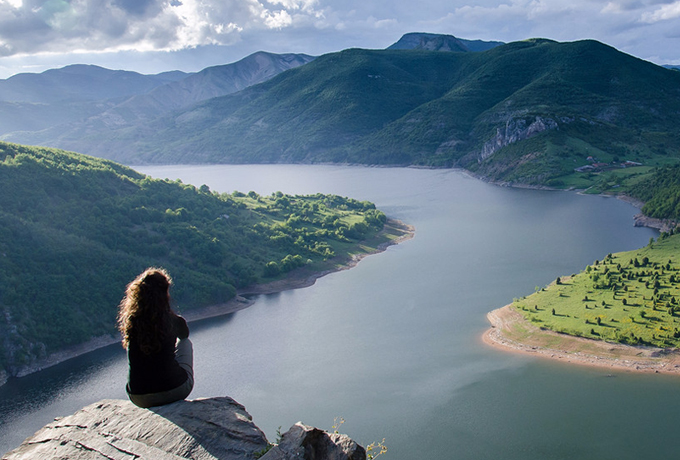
[[296, 279], [511, 332]]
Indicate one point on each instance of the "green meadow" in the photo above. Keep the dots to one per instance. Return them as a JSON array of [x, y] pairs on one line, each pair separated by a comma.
[[629, 297]]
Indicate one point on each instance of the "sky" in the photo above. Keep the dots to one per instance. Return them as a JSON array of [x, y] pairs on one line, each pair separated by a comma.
[[153, 36]]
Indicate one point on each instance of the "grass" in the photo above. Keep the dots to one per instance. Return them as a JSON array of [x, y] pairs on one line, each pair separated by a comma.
[[616, 299]]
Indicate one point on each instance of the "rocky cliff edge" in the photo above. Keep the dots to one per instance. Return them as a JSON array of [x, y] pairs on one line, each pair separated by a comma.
[[202, 429]]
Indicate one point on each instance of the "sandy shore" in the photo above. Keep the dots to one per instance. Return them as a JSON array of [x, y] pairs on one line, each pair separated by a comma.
[[296, 279], [510, 331]]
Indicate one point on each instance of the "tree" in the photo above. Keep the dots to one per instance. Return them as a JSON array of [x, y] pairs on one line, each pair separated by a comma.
[[271, 269]]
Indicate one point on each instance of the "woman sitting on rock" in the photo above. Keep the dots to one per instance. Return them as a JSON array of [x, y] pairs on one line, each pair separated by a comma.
[[160, 354]]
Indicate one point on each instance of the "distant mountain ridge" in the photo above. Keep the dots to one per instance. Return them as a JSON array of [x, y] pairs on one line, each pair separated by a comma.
[[31, 102], [96, 98], [80, 82], [211, 82]]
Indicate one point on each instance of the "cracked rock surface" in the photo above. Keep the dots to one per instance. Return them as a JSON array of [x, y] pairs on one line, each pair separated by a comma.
[[213, 428]]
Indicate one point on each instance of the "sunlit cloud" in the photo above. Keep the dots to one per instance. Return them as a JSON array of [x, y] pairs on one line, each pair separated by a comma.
[[35, 26], [12, 3]]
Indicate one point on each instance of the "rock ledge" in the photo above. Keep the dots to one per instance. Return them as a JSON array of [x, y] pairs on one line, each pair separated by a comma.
[[202, 429]]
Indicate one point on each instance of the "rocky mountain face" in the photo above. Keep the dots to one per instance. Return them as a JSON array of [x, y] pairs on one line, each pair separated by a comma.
[[515, 130], [441, 42], [202, 429], [429, 42]]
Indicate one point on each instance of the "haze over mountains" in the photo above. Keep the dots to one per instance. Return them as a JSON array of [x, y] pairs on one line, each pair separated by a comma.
[[36, 101], [526, 112], [98, 97], [81, 98]]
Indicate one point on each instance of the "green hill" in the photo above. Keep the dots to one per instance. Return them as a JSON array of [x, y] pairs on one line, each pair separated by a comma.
[[630, 297], [527, 112], [74, 230]]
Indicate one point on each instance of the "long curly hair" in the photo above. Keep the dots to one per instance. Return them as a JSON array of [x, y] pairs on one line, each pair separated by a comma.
[[145, 310]]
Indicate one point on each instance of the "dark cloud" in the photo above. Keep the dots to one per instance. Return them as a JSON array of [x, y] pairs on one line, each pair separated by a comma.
[[135, 7]]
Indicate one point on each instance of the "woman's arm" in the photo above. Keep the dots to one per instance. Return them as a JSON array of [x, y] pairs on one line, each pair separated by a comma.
[[180, 327]]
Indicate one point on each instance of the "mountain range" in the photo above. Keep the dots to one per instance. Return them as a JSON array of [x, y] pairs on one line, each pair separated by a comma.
[[101, 98], [524, 112], [86, 98]]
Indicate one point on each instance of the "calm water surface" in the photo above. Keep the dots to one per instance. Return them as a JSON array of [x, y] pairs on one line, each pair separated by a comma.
[[393, 345]]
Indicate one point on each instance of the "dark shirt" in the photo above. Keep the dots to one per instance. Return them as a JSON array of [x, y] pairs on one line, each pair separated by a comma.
[[160, 371]]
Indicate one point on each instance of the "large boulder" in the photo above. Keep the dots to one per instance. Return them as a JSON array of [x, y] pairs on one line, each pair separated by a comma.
[[309, 443]]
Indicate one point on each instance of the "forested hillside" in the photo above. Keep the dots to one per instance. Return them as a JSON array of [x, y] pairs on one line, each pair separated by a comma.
[[74, 230], [661, 193]]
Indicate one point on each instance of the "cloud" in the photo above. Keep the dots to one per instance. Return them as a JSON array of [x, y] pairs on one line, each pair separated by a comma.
[[52, 26], [277, 19], [516, 19], [666, 12], [304, 5]]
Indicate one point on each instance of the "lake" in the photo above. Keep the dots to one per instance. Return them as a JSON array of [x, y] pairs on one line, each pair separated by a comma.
[[393, 345]]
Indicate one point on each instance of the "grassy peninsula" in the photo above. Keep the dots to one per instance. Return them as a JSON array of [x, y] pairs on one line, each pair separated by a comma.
[[74, 230], [630, 297], [622, 311]]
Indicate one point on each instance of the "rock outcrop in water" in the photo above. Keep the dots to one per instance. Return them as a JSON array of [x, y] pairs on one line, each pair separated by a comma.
[[202, 429]]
